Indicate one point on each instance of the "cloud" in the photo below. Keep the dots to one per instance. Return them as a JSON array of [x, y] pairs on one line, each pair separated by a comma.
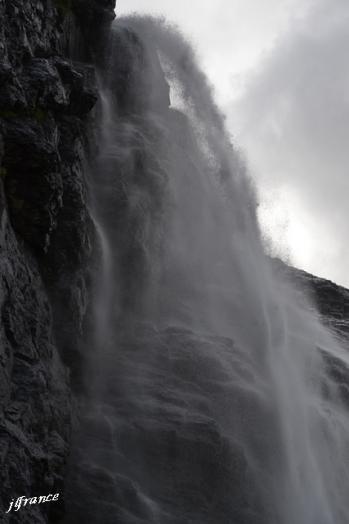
[[293, 117], [228, 35], [293, 121]]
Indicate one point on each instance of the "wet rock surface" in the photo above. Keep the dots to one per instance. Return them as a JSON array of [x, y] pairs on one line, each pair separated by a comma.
[[156, 444], [34, 395], [45, 240]]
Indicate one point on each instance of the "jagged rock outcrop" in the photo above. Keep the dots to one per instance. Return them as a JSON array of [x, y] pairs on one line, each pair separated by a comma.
[[46, 236], [332, 303], [331, 300]]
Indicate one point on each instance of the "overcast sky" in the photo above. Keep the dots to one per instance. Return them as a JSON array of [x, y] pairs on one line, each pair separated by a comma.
[[280, 69]]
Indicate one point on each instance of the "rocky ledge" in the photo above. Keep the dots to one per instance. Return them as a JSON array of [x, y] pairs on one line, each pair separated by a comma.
[[331, 300]]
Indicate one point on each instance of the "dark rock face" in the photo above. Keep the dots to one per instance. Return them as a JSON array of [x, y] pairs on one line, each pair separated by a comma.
[[45, 238], [331, 300], [45, 100], [93, 12], [44, 104], [34, 397]]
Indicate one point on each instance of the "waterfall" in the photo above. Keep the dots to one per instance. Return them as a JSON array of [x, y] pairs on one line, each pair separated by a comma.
[[103, 301], [216, 400]]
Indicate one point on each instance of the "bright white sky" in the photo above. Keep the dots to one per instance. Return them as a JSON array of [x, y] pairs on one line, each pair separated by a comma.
[[279, 71], [229, 35]]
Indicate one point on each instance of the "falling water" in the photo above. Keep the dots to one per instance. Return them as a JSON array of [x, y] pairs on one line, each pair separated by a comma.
[[103, 301], [104, 291], [215, 402]]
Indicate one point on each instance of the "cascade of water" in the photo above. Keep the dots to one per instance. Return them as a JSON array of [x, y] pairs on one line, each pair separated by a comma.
[[215, 404], [103, 302]]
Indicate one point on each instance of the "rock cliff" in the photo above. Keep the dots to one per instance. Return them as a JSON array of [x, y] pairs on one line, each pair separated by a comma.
[[331, 300], [47, 93]]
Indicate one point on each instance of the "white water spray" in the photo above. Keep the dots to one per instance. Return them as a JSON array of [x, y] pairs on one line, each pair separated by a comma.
[[217, 403]]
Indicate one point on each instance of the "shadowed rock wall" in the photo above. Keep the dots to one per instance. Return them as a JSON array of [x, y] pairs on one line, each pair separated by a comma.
[[46, 236]]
